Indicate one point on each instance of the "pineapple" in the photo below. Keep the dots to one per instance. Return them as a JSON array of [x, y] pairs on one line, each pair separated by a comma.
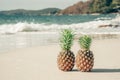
[[84, 58], [66, 58]]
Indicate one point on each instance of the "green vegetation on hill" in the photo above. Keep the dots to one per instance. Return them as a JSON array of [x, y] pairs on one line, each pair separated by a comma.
[[93, 6], [105, 6]]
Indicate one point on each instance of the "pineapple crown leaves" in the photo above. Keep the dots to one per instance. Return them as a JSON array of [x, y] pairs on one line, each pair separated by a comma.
[[66, 39], [85, 42]]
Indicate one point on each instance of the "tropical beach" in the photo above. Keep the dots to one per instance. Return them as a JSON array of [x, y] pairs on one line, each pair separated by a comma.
[[60, 40]]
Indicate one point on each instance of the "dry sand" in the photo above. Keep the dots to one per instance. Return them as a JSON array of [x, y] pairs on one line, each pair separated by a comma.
[[39, 63]]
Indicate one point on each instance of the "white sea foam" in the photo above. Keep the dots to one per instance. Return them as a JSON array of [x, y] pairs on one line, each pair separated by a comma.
[[86, 27]]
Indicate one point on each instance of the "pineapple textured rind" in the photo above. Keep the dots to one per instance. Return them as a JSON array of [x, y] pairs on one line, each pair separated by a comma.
[[85, 60], [66, 60]]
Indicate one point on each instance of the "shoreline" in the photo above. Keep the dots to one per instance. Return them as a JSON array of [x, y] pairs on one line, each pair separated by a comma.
[[32, 39], [101, 36]]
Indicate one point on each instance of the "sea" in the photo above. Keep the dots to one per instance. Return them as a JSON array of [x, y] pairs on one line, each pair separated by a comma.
[[22, 31]]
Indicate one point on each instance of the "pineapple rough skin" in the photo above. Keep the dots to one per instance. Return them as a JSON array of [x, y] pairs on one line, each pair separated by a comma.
[[66, 60], [84, 60]]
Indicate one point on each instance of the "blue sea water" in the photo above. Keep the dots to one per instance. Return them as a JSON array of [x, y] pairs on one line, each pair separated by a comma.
[[81, 23], [63, 19]]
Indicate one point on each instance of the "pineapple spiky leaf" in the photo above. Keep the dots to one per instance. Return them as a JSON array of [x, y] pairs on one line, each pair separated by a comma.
[[85, 42], [66, 39]]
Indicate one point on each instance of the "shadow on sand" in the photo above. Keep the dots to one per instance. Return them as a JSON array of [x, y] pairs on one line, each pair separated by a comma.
[[105, 70], [100, 70]]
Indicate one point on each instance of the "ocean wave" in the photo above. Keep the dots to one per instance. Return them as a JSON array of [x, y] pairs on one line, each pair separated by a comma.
[[88, 27], [103, 18]]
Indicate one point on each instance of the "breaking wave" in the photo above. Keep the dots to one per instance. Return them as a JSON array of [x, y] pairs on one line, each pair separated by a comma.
[[86, 27]]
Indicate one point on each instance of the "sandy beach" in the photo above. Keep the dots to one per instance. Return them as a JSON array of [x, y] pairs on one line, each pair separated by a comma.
[[39, 63], [30, 37]]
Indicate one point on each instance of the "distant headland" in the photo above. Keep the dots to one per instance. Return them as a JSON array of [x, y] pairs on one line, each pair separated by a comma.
[[88, 7], [93, 7]]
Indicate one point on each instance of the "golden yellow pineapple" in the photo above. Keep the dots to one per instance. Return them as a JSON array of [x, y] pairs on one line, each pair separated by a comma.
[[66, 58], [85, 59]]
